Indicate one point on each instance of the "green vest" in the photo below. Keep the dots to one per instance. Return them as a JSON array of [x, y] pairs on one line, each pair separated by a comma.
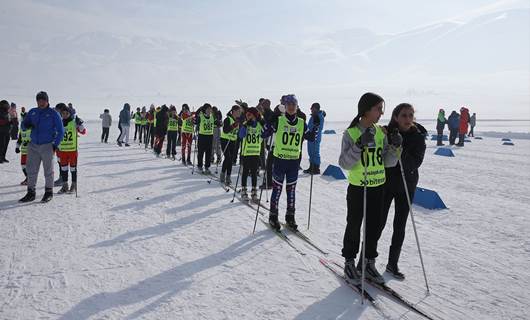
[[370, 157], [288, 140], [173, 124], [252, 141], [232, 135], [69, 142], [187, 125], [25, 138], [154, 118], [206, 125], [137, 118]]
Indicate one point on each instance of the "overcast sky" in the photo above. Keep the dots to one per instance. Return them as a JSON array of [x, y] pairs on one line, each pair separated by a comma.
[[278, 24]]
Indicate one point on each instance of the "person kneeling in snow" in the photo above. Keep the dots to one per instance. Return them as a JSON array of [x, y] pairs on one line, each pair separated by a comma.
[[68, 147]]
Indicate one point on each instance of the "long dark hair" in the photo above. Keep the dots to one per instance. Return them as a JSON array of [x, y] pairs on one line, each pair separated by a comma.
[[366, 102], [392, 125]]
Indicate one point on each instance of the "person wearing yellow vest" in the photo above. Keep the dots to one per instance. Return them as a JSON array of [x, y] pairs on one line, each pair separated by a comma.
[[143, 125], [24, 138], [172, 133], [229, 143], [186, 134], [364, 147], [290, 130], [251, 142], [205, 122], [150, 132], [137, 123], [68, 147]]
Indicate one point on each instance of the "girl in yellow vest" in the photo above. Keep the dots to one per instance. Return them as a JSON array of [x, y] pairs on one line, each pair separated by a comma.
[[229, 143], [289, 130], [364, 146], [172, 133], [205, 122], [251, 141], [68, 147]]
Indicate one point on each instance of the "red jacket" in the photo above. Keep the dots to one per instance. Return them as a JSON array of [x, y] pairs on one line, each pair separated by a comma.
[[464, 120]]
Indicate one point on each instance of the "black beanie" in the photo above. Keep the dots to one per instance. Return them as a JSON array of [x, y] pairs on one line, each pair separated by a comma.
[[42, 96]]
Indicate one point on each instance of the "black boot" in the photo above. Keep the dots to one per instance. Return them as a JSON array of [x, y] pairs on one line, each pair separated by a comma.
[[316, 169], [48, 195], [290, 221], [273, 221], [310, 169], [30, 196], [392, 265]]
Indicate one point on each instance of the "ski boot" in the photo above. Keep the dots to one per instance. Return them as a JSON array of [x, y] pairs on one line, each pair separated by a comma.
[[370, 271], [119, 144], [30, 196], [48, 195], [310, 169], [351, 272], [244, 194], [290, 221], [394, 271], [254, 195], [188, 162], [273, 221], [127, 145], [64, 188], [73, 188]]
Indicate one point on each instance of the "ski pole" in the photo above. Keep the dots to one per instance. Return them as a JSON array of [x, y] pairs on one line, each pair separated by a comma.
[[365, 190], [310, 196], [194, 153], [77, 165], [237, 181], [222, 157], [267, 180], [412, 218], [257, 210]]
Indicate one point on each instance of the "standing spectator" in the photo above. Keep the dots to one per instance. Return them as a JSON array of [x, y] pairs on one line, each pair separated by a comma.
[[464, 120], [472, 124], [5, 128], [160, 129], [268, 116], [106, 122], [172, 133], [187, 134], [313, 147], [46, 134], [125, 122], [440, 125], [453, 123], [137, 123], [14, 121], [216, 143]]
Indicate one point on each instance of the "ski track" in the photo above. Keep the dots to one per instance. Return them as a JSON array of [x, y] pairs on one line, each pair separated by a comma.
[[147, 239]]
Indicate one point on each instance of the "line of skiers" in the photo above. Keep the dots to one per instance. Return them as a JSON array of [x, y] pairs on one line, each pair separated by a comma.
[[458, 125], [278, 135]]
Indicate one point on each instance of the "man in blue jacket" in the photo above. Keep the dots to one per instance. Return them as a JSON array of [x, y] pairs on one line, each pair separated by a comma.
[[46, 134], [313, 147]]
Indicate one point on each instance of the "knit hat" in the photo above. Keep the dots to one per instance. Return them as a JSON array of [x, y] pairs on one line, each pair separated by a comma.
[[254, 111], [42, 96]]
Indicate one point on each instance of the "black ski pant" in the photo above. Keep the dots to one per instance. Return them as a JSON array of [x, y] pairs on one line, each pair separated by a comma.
[[4, 142], [171, 148], [439, 136], [461, 139], [352, 235], [204, 148], [229, 148], [119, 136], [250, 167], [453, 133], [137, 130], [471, 131], [269, 164], [152, 131], [105, 135], [401, 213]]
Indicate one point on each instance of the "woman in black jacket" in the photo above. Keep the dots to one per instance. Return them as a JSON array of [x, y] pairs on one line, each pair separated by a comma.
[[413, 150], [5, 128]]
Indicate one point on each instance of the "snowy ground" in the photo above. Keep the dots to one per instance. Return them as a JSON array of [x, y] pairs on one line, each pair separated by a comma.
[[147, 239]]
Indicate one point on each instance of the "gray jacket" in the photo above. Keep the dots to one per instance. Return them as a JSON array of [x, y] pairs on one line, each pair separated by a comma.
[[350, 153], [106, 120]]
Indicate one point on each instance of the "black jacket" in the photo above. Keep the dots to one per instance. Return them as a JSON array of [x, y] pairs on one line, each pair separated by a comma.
[[162, 120], [413, 151]]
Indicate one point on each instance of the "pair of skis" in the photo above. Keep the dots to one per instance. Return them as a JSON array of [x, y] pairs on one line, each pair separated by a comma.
[[333, 265]]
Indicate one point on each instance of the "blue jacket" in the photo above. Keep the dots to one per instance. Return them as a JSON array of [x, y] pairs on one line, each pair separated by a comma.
[[46, 126], [453, 121], [312, 124], [125, 116]]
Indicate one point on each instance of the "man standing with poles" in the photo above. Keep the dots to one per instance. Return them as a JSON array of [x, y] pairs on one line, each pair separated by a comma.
[[46, 133]]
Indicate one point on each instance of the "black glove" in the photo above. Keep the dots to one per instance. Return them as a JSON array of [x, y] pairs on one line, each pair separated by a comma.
[[54, 147], [17, 150], [395, 138], [367, 139]]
